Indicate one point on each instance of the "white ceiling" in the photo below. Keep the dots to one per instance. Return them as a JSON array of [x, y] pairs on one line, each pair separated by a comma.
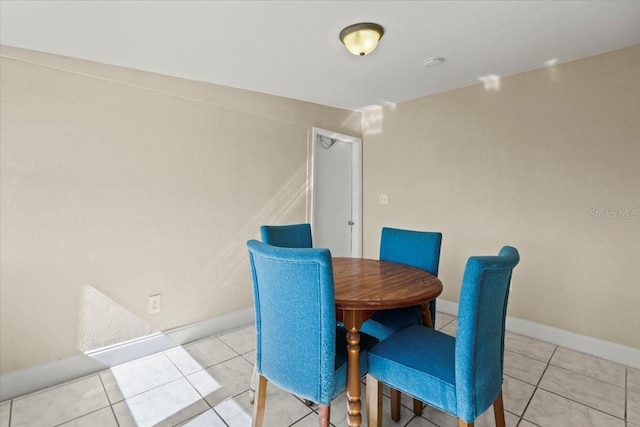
[[291, 48]]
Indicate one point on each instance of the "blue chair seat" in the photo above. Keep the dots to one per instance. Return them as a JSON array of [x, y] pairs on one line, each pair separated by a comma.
[[417, 359]]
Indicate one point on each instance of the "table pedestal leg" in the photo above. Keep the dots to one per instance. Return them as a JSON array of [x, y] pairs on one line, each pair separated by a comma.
[[353, 322]]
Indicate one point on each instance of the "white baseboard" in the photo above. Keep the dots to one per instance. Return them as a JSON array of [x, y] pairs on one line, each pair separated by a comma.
[[18, 383], [618, 353]]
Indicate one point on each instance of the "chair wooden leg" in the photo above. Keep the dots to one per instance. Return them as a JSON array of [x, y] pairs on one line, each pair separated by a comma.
[[463, 424], [417, 407], [258, 407], [374, 402], [324, 414], [498, 411], [252, 385], [395, 404]]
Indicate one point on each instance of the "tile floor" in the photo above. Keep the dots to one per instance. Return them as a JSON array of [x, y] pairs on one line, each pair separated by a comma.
[[206, 384]]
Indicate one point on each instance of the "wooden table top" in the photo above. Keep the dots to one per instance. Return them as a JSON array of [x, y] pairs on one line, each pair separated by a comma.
[[367, 284]]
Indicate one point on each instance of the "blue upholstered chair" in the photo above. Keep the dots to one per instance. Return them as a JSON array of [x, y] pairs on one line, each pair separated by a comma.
[[299, 346], [461, 376], [287, 236], [420, 249], [284, 236]]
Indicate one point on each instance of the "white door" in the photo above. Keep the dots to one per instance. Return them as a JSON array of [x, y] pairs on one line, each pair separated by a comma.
[[336, 200]]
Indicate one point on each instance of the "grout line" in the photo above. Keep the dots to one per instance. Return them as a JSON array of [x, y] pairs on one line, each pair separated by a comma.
[[221, 417], [626, 392], [115, 417], [177, 367], [109, 400], [546, 367], [228, 345], [530, 422], [588, 377], [583, 404], [80, 416], [548, 363]]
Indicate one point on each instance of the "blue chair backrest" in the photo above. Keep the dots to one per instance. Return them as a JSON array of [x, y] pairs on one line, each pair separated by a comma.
[[287, 236], [295, 318], [482, 311], [420, 249]]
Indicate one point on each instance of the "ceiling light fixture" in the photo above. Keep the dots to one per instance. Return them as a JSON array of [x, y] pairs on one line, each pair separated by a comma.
[[361, 39]]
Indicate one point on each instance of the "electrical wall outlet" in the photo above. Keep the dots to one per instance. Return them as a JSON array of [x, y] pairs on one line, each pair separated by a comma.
[[383, 199], [155, 303]]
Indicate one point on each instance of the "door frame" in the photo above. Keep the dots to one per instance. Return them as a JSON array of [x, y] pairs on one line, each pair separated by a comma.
[[356, 183]]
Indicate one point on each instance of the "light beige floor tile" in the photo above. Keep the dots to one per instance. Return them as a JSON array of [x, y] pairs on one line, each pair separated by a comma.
[[591, 366], [550, 410], [132, 378], [451, 328], [5, 411], [420, 422], [588, 391], [200, 355], [59, 404], [242, 341], [101, 418], [166, 405], [206, 419], [633, 379], [250, 357], [633, 407], [223, 381], [439, 418], [523, 368], [281, 409], [516, 395], [529, 347], [405, 399], [160, 396], [310, 420], [488, 419], [443, 319]]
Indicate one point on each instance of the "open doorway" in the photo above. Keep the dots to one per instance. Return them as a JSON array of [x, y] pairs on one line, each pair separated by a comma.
[[336, 198]]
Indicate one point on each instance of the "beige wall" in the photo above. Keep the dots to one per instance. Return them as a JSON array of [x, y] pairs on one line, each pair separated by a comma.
[[118, 184], [525, 164]]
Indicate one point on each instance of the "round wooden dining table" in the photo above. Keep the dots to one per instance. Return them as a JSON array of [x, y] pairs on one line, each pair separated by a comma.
[[363, 286]]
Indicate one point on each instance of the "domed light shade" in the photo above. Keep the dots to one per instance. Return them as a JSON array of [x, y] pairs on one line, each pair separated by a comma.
[[361, 39]]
